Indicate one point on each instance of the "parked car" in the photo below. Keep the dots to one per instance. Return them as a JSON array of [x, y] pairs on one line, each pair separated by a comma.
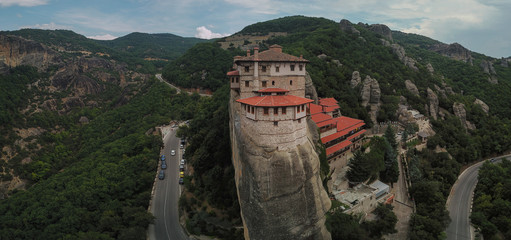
[[182, 174], [181, 146], [181, 167], [161, 176], [163, 157], [163, 165], [183, 161], [181, 181], [173, 152]]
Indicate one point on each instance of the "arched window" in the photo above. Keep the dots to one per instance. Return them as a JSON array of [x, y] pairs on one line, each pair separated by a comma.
[[291, 82], [273, 83]]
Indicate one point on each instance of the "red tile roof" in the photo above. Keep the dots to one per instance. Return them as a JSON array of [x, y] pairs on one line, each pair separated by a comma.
[[325, 123], [331, 108], [337, 147], [315, 109], [272, 55], [320, 117], [233, 73], [275, 101], [346, 122], [356, 134], [327, 101], [349, 129], [270, 90]]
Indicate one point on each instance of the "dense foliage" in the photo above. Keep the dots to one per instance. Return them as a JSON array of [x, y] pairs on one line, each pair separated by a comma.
[[343, 226], [203, 66], [104, 190], [491, 211]]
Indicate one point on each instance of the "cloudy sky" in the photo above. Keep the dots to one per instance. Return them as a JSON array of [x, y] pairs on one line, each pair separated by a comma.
[[480, 25]]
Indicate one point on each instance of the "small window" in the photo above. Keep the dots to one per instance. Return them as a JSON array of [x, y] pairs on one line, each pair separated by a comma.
[[292, 67], [275, 123], [264, 83], [297, 109], [252, 109], [300, 67], [232, 80], [263, 68], [247, 84], [247, 69], [275, 111], [283, 110], [291, 82], [273, 83], [237, 79], [303, 108], [265, 111], [277, 69]]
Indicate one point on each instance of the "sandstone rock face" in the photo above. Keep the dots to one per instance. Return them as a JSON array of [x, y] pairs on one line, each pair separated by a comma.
[[401, 54], [454, 51], [382, 30], [411, 87], [433, 104], [280, 193], [483, 105], [371, 93], [430, 68], [355, 79], [461, 113], [16, 51], [310, 90], [487, 67], [348, 27]]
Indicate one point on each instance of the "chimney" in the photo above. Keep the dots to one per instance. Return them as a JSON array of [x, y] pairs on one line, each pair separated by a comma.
[[256, 52], [248, 53], [276, 48]]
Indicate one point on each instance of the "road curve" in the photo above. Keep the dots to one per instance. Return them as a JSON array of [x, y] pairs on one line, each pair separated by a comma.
[[459, 203], [166, 195]]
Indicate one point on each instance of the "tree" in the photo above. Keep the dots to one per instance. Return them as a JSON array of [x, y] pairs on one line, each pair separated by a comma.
[[359, 170], [345, 227], [390, 135], [385, 222], [391, 172]]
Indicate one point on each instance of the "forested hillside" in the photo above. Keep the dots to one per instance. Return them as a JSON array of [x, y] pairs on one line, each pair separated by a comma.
[[142, 52]]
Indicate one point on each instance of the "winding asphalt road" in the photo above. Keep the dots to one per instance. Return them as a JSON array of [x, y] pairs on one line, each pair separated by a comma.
[[460, 201], [166, 195]]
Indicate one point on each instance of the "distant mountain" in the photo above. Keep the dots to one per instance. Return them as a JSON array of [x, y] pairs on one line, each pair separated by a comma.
[[153, 46]]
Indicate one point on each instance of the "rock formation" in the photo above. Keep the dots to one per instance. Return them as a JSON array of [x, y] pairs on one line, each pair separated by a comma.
[[433, 104], [371, 93], [454, 51], [483, 105], [16, 51], [280, 192], [411, 87], [460, 112], [348, 27], [401, 54], [430, 68], [310, 90], [504, 62], [382, 30], [487, 67], [355, 79]]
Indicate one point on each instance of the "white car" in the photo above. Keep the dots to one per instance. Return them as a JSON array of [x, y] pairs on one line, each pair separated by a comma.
[[173, 152], [182, 161]]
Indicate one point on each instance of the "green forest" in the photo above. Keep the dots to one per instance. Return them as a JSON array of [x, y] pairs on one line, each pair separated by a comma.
[[491, 209]]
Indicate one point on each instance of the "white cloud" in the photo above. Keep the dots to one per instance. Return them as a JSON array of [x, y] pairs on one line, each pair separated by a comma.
[[22, 3], [204, 33], [103, 37], [91, 18], [48, 26]]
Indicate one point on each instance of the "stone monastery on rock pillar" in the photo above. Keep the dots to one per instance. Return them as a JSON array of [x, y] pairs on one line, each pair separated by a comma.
[[271, 88]]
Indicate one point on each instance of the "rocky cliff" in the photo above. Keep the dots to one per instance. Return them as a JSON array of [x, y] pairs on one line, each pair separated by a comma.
[[16, 51], [280, 193], [461, 113], [370, 94], [411, 87], [433, 104], [454, 51], [401, 54], [310, 90]]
